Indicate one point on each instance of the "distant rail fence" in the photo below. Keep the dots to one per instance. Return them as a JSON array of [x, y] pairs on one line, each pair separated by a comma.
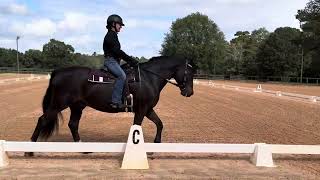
[[259, 89], [305, 80], [25, 70]]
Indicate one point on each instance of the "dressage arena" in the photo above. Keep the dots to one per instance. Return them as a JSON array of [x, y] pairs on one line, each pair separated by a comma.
[[211, 115]]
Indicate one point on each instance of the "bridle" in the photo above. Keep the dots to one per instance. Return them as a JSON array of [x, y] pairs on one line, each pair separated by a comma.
[[182, 86]]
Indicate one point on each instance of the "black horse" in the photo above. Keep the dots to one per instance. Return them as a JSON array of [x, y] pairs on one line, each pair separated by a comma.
[[69, 87]]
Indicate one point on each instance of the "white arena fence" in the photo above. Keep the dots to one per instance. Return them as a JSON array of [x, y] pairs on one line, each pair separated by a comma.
[[32, 77], [258, 89], [135, 149]]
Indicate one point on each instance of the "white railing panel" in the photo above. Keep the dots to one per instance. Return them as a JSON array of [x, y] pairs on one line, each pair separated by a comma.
[[295, 149], [199, 148], [63, 147]]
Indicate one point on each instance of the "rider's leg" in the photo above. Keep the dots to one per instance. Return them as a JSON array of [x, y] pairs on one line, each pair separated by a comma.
[[115, 69]]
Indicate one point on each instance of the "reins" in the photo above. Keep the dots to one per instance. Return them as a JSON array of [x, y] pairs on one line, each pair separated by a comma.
[[173, 83]]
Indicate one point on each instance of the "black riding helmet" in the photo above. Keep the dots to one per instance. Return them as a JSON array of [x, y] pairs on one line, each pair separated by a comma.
[[114, 18]]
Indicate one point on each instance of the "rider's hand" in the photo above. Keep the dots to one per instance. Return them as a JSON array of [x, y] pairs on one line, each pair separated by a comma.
[[134, 63]]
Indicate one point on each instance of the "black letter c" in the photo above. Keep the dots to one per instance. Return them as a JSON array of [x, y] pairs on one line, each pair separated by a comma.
[[134, 137]]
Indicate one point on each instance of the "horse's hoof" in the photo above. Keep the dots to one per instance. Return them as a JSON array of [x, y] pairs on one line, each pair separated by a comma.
[[28, 154], [150, 155]]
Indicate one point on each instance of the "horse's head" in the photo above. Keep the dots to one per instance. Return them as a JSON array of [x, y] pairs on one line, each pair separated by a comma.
[[184, 78]]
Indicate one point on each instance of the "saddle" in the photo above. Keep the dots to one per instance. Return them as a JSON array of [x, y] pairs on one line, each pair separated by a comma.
[[103, 76], [106, 77]]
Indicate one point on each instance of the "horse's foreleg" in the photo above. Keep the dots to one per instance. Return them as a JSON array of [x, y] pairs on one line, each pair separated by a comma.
[[76, 112], [154, 118], [138, 117]]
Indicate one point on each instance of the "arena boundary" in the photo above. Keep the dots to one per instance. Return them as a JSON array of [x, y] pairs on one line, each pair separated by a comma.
[[135, 149], [259, 89], [32, 77]]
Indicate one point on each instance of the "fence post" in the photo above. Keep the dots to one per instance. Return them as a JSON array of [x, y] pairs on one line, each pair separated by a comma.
[[258, 89], [135, 156], [4, 160], [262, 155]]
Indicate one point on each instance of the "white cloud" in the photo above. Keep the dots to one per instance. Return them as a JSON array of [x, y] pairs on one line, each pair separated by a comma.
[[37, 28], [236, 1], [13, 8], [8, 43], [74, 22], [80, 40], [144, 23]]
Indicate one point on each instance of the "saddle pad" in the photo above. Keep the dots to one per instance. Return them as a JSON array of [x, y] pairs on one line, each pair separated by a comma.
[[100, 76]]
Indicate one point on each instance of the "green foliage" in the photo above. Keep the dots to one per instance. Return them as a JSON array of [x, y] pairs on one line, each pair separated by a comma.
[[32, 59], [310, 17], [280, 55], [8, 57], [197, 38], [55, 54], [242, 52], [143, 59], [310, 21], [58, 54], [95, 61]]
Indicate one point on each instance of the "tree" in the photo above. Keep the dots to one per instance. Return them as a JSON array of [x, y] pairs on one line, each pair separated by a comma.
[[94, 61], [310, 21], [280, 55], [8, 57], [196, 38], [143, 59], [242, 51], [33, 59], [260, 35], [58, 54]]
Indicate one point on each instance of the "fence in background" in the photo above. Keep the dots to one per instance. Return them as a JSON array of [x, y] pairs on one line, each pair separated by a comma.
[[305, 80], [259, 89], [25, 70]]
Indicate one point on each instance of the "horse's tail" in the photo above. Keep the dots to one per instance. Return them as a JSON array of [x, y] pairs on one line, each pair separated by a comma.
[[50, 118], [47, 97]]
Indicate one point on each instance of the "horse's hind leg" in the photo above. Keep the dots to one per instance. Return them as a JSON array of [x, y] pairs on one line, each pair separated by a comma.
[[43, 122], [36, 132], [76, 112], [154, 118], [35, 135]]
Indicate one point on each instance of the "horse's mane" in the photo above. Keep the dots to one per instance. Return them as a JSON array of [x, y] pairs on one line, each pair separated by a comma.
[[160, 59], [156, 58]]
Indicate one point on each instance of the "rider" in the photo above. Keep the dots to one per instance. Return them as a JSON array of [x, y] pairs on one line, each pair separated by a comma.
[[113, 54]]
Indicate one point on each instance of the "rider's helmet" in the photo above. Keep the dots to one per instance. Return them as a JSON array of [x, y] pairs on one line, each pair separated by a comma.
[[114, 18]]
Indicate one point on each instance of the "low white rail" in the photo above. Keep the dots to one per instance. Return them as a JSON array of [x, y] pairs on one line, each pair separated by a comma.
[[20, 146], [260, 90], [261, 154], [32, 77]]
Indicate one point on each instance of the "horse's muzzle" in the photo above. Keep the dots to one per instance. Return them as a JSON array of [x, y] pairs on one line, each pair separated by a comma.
[[187, 93]]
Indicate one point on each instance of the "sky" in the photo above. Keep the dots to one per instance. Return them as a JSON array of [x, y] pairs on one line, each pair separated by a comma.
[[81, 23]]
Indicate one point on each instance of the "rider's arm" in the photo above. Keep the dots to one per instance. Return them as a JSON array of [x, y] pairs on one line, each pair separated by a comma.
[[114, 47]]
